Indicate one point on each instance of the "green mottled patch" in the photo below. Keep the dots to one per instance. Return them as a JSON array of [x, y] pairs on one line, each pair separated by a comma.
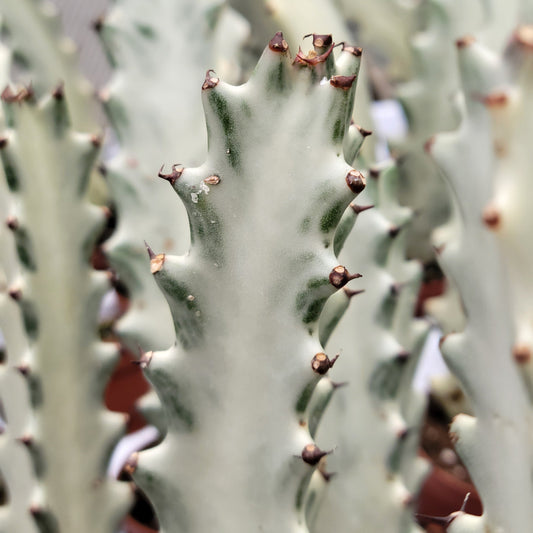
[[206, 228], [331, 218], [45, 521], [277, 79], [172, 395], [313, 310], [305, 225], [246, 110], [25, 249], [316, 283], [221, 108], [60, 119], [344, 228], [338, 131], [12, 179], [386, 379], [305, 396], [145, 31], [30, 319]]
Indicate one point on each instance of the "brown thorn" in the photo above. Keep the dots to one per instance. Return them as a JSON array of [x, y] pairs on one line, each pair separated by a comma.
[[131, 464], [322, 41], [144, 361], [59, 92], [339, 384], [210, 81], [524, 36], [311, 454], [174, 175], [312, 59], [12, 223], [3, 142], [96, 141], [98, 23], [321, 363], [374, 173], [491, 217], [15, 293], [355, 50], [522, 353], [428, 145], [24, 369], [151, 253], [394, 231], [495, 100], [342, 82], [27, 440], [327, 475], [363, 132], [403, 356], [351, 293], [278, 43], [356, 181], [26, 93], [339, 276], [465, 41], [360, 208]]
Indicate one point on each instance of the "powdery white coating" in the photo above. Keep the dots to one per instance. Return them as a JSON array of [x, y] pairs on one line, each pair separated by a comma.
[[160, 56], [234, 391], [368, 416], [59, 298], [495, 445]]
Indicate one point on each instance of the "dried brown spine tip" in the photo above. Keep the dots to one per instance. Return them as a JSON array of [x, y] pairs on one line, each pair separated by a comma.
[[356, 181], [491, 217], [524, 36], [322, 41], [59, 92], [522, 353], [494, 100], [321, 363], [12, 223], [278, 43], [210, 81], [312, 454], [360, 208], [175, 174], [342, 82], [363, 131], [355, 50], [339, 276], [465, 41]]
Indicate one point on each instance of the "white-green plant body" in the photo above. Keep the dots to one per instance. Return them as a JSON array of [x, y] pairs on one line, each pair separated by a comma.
[[495, 444], [373, 421], [160, 57], [17, 477], [70, 434], [245, 301]]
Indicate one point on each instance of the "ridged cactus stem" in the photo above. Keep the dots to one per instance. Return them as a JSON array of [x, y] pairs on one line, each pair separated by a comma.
[[263, 209], [374, 420], [47, 166], [496, 444]]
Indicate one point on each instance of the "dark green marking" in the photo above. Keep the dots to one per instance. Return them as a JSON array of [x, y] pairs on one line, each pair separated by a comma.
[[12, 178], [332, 216], [338, 131], [178, 414], [305, 396], [25, 249], [145, 31], [277, 79], [221, 108]]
